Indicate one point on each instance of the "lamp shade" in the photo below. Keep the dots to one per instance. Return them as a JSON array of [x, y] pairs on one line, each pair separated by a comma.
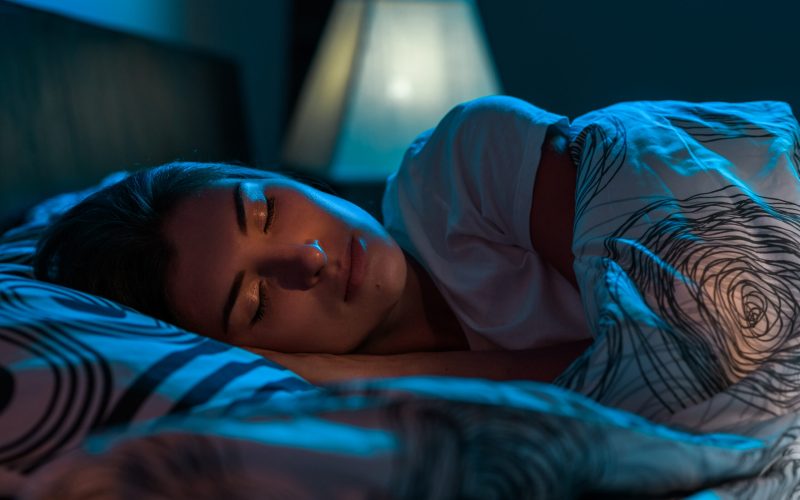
[[385, 71]]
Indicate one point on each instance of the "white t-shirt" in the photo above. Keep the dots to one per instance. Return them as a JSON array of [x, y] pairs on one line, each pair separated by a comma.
[[460, 204]]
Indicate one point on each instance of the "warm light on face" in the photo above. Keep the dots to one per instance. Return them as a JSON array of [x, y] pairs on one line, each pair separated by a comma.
[[297, 267]]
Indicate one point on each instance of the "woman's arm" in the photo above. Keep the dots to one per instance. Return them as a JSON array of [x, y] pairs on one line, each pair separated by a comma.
[[553, 207], [543, 364]]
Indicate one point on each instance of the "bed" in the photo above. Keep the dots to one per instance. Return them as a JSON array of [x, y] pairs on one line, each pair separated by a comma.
[[686, 237]]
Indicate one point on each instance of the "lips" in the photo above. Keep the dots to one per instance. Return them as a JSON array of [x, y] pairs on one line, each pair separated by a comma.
[[356, 267]]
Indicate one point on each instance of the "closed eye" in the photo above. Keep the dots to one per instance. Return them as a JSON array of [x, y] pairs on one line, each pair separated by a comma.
[[270, 213], [262, 303]]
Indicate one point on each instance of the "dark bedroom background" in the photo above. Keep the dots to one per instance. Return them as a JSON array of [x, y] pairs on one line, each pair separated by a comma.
[[568, 57]]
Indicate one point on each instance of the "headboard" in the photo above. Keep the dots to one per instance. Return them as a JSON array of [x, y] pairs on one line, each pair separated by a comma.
[[78, 101]]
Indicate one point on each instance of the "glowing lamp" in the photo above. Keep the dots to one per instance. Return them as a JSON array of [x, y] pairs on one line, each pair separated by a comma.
[[385, 70]]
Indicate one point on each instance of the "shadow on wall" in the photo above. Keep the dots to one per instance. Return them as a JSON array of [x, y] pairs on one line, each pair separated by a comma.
[[252, 34], [573, 57]]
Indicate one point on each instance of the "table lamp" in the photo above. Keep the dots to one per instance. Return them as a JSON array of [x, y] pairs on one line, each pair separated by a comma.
[[385, 70]]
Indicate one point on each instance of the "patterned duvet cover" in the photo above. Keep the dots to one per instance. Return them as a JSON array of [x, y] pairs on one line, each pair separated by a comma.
[[687, 244]]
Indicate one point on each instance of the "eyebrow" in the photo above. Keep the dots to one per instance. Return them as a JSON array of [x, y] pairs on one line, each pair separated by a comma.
[[238, 200], [236, 286]]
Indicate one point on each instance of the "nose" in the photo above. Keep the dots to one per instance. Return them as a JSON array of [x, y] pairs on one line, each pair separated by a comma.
[[295, 266]]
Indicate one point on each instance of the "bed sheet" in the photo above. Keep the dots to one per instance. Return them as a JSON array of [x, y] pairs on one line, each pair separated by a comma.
[[687, 245], [417, 437], [686, 236]]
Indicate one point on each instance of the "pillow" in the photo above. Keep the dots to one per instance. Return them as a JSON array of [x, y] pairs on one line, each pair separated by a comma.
[[72, 363]]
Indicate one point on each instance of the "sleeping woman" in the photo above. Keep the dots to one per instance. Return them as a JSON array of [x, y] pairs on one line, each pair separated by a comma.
[[470, 275]]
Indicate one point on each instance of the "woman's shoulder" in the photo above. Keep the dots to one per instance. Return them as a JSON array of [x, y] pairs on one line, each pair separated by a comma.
[[480, 149], [497, 109]]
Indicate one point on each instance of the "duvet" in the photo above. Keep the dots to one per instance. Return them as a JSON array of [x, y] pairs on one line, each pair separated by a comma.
[[687, 245]]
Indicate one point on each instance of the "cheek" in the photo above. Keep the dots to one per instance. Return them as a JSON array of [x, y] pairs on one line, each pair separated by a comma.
[[299, 322], [389, 274]]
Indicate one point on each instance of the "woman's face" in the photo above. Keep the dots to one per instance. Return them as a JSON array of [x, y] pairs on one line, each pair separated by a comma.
[[279, 265]]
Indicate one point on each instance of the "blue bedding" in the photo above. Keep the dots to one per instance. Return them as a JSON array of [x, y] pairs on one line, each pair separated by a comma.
[[686, 241]]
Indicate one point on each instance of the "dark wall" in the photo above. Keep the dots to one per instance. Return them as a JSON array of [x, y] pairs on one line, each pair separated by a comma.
[[78, 101], [571, 57], [575, 56], [251, 34]]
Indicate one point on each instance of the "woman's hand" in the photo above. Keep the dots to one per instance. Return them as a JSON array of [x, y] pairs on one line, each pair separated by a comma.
[[317, 368], [542, 365]]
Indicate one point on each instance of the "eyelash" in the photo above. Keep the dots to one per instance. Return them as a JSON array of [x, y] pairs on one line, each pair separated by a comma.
[[270, 213], [262, 303], [262, 287]]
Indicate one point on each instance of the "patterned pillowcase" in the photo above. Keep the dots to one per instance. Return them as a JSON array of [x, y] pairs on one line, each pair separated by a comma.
[[72, 363]]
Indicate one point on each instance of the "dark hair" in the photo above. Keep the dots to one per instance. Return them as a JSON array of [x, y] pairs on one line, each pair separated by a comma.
[[111, 244]]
